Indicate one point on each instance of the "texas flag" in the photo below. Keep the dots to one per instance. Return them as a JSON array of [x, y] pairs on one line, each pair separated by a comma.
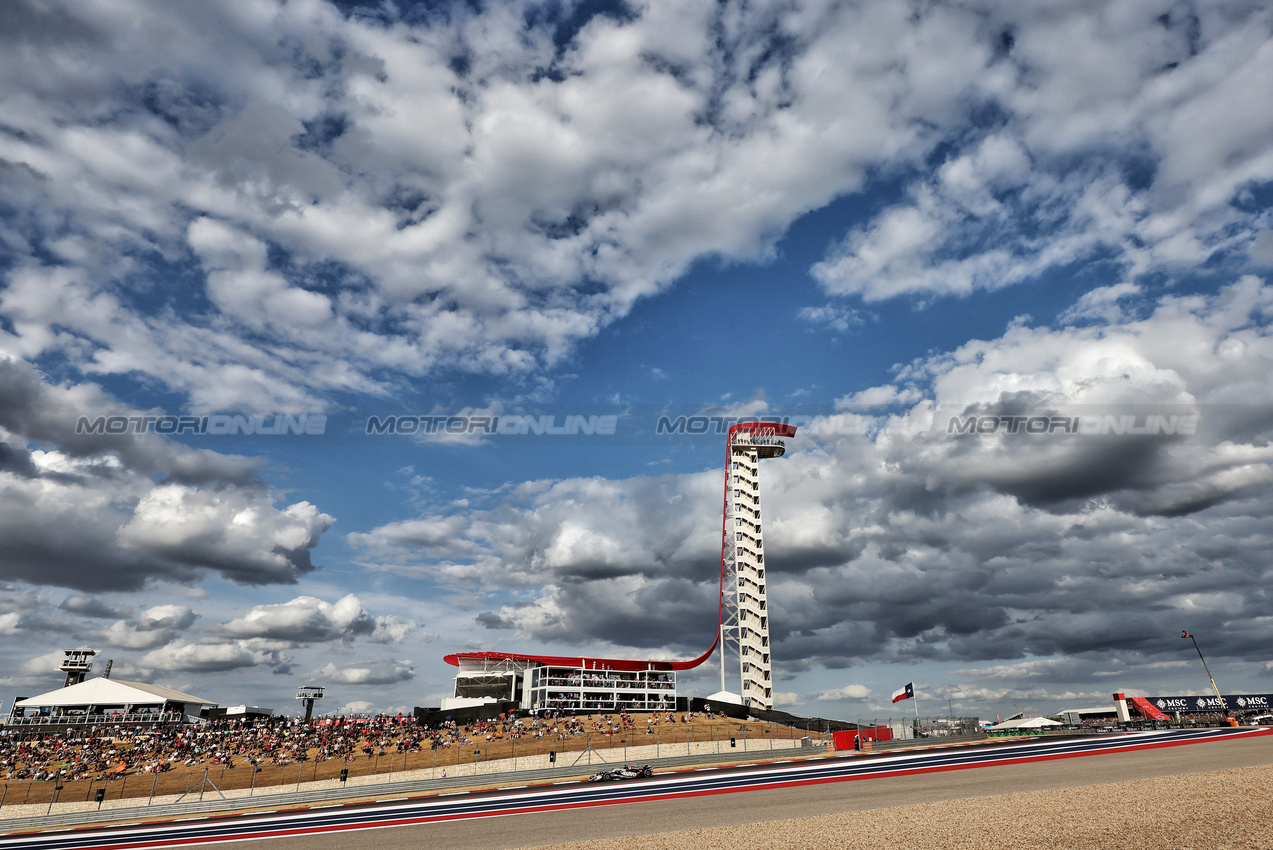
[[904, 693]]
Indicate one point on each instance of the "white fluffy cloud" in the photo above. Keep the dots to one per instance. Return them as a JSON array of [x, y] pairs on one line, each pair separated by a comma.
[[153, 627], [381, 672], [181, 656], [912, 540], [307, 619], [361, 197], [848, 692], [1098, 151]]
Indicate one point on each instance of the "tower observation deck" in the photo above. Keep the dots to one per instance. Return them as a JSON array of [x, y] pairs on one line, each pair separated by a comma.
[[574, 682], [744, 600]]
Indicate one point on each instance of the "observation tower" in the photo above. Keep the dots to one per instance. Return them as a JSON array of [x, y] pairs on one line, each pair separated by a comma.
[[77, 664], [744, 601], [601, 684]]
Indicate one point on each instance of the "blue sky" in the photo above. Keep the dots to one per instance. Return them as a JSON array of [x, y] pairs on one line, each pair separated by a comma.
[[878, 219]]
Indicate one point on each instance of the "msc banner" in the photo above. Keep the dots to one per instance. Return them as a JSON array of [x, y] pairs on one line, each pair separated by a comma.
[[1195, 705]]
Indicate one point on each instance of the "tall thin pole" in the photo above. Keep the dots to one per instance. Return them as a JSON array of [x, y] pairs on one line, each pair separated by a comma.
[[1223, 708], [722, 625]]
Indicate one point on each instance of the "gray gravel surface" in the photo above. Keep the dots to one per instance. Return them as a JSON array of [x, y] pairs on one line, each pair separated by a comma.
[[1221, 810]]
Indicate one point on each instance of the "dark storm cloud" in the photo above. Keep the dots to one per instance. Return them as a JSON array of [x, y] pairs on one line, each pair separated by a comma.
[[112, 512], [16, 460], [88, 606], [42, 413]]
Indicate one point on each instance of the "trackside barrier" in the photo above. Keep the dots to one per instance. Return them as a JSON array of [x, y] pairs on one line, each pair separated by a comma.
[[388, 789], [924, 743]]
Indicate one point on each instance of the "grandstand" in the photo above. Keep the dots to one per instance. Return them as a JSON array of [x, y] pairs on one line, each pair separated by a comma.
[[556, 682]]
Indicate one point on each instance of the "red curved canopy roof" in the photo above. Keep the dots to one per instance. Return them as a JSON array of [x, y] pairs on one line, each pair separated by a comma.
[[624, 664], [770, 429], [767, 429]]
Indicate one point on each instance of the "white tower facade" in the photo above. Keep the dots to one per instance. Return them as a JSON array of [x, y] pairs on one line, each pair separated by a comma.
[[744, 619]]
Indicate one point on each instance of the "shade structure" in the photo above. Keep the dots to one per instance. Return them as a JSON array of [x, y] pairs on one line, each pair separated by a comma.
[[110, 692]]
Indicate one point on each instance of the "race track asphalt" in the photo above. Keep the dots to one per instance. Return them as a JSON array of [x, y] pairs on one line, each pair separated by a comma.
[[644, 818]]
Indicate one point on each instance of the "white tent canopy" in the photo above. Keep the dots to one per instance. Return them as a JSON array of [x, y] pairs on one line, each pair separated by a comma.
[[725, 696], [111, 692], [1024, 723]]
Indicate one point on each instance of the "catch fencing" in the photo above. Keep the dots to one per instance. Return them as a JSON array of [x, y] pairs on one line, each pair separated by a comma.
[[211, 800]]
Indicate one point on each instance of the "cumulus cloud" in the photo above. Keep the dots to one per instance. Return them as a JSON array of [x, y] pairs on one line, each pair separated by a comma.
[[153, 627], [913, 540], [307, 619], [363, 199], [366, 196], [1095, 156], [387, 672], [211, 657], [848, 692], [88, 606], [131, 508]]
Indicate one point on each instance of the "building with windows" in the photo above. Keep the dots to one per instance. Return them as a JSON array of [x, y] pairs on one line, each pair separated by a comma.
[[565, 682]]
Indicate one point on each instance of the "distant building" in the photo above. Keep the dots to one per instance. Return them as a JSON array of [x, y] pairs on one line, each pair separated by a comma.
[[1078, 716], [563, 682]]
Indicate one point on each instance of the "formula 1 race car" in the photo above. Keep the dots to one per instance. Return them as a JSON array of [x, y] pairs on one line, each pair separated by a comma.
[[625, 772]]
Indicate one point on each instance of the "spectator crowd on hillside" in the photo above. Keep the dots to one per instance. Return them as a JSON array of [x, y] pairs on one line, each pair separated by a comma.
[[105, 752]]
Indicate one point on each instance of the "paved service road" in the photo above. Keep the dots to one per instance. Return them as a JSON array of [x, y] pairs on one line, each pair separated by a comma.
[[700, 799]]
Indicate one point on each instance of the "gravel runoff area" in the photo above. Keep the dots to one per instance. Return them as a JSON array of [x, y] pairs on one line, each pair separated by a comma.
[[1222, 810]]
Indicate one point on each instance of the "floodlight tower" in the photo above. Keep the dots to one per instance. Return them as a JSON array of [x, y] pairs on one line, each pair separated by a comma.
[[309, 693], [744, 615]]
